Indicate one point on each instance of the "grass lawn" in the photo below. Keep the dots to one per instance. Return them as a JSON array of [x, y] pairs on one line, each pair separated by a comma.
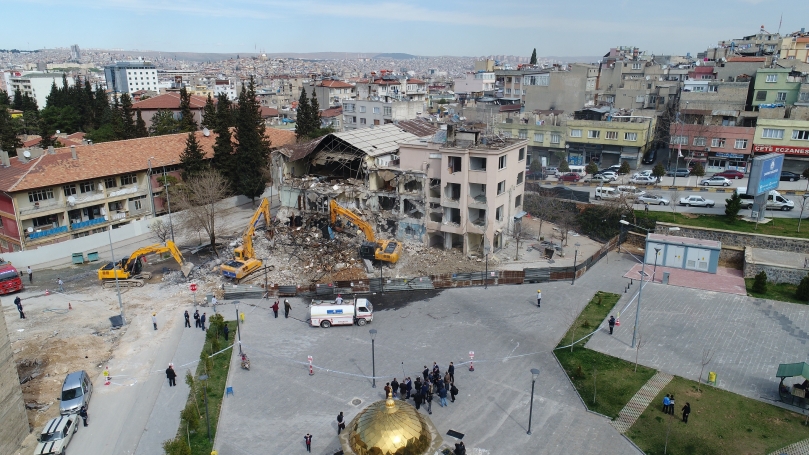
[[615, 379], [720, 423], [785, 227], [784, 292]]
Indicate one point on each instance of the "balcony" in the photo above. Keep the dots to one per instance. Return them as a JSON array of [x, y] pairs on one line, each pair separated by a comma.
[[86, 224], [42, 206], [48, 232], [478, 201]]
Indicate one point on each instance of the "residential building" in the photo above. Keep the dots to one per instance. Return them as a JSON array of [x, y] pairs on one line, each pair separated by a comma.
[[387, 86], [545, 131], [131, 76], [739, 69], [332, 118], [475, 188], [559, 90], [364, 113], [169, 101], [475, 85], [511, 84], [38, 85], [333, 92], [703, 73], [609, 137], [784, 130], [777, 86], [761, 44]]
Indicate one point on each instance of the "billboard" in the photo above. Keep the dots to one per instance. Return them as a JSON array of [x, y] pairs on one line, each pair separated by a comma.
[[765, 173]]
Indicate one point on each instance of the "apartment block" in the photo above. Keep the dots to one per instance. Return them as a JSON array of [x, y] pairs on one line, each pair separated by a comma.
[[777, 86], [784, 130], [545, 132], [37, 85], [365, 113], [795, 51], [333, 92], [608, 137], [131, 76], [475, 85]]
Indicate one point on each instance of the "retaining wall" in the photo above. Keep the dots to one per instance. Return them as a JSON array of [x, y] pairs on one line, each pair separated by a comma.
[[14, 420], [775, 273]]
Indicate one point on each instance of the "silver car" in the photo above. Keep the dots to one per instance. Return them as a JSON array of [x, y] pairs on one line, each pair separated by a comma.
[[716, 180], [696, 201], [653, 199], [76, 392]]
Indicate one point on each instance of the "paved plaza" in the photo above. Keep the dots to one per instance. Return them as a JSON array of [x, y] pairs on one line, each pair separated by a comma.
[[277, 402]]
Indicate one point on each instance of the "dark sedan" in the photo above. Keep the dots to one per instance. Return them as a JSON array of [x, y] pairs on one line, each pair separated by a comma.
[[570, 177], [787, 176], [678, 172], [732, 175]]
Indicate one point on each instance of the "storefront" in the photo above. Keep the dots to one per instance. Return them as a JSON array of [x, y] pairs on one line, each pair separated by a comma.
[[796, 159], [720, 161]]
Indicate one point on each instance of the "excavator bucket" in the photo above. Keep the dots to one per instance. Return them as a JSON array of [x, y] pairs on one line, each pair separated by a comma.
[[186, 268]]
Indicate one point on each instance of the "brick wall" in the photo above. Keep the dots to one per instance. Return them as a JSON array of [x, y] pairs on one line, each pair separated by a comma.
[[12, 409]]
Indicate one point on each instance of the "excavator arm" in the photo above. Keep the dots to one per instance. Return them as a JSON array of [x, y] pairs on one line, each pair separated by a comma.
[[245, 251], [335, 209], [169, 247]]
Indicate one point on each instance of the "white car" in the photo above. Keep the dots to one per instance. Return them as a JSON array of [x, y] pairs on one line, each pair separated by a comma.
[[57, 434], [643, 180], [715, 181], [601, 178], [696, 201], [646, 173], [653, 199]]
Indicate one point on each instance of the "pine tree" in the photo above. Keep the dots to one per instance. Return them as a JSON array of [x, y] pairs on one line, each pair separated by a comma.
[[187, 123], [127, 117], [9, 141], [534, 57], [252, 146], [303, 121], [116, 119], [314, 116], [5, 100], [46, 135], [209, 114], [101, 108], [163, 122], [140, 125], [223, 158], [17, 104], [193, 158]]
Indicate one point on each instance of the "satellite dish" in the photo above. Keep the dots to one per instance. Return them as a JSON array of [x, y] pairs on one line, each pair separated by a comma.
[[26, 154], [100, 187], [206, 132], [71, 200], [57, 131], [103, 211]]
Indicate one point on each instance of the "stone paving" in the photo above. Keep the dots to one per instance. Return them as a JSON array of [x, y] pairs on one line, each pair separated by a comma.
[[725, 280], [640, 401], [799, 448]]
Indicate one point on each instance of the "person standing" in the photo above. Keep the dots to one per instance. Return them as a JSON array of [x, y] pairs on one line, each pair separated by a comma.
[[686, 411], [666, 402], [408, 387], [196, 319], [394, 387], [30, 275], [451, 371], [83, 414], [446, 380], [226, 330], [338, 300], [187, 319], [611, 322], [442, 395], [154, 320], [453, 391], [213, 302], [340, 424], [61, 284], [287, 307], [202, 321], [275, 308], [417, 399], [171, 375], [429, 398], [387, 390], [18, 303], [539, 298], [426, 372], [403, 389], [671, 404], [308, 440]]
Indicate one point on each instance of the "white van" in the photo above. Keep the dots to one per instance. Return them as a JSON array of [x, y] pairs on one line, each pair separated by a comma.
[[774, 200], [606, 192], [578, 170]]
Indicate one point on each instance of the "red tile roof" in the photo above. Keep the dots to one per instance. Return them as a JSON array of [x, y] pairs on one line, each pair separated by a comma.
[[334, 84], [331, 112], [415, 81], [32, 141], [268, 112], [387, 82], [169, 100], [747, 59]]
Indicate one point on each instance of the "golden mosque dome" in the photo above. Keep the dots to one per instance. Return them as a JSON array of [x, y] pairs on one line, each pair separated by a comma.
[[391, 427]]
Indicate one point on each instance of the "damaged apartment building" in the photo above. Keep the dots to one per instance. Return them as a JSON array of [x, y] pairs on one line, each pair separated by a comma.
[[444, 188], [359, 169]]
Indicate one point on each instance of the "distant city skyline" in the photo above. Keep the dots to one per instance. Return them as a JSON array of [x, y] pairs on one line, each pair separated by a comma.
[[425, 28]]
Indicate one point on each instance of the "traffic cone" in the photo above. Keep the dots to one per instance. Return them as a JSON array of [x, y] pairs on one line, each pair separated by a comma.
[[471, 366], [69, 306], [311, 370], [618, 320], [47, 292], [107, 376]]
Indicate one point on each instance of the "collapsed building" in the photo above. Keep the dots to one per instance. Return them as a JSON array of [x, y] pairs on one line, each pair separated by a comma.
[[443, 188]]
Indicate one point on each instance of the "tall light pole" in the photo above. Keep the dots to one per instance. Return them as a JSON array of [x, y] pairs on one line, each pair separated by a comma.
[[115, 272], [486, 250], [149, 179], [168, 202], [575, 257], [657, 253], [373, 359], [238, 330], [204, 378], [534, 375], [640, 290], [805, 196]]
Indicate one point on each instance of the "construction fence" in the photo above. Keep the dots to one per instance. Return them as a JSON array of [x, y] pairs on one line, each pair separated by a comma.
[[455, 280]]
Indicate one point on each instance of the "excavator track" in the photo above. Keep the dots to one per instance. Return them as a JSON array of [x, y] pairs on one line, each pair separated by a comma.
[[133, 282]]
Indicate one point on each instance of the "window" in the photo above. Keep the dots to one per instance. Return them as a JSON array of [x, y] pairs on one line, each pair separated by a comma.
[[611, 135], [699, 141], [362, 121], [498, 214], [362, 110], [761, 95], [129, 179], [348, 107], [593, 134], [507, 133], [501, 187], [636, 66], [109, 182], [523, 134], [630, 136], [780, 96], [740, 144], [137, 202], [539, 137], [40, 195], [640, 98], [69, 190], [387, 111], [518, 201], [501, 162], [376, 110], [520, 177], [521, 155], [772, 78], [772, 133], [556, 138], [718, 142], [508, 91], [803, 96], [86, 187], [800, 135], [575, 133]]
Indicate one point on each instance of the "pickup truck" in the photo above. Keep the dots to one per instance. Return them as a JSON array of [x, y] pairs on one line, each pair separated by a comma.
[[326, 313]]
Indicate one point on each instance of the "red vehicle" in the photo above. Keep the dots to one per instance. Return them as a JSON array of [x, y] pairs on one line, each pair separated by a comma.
[[729, 174], [9, 278], [570, 177]]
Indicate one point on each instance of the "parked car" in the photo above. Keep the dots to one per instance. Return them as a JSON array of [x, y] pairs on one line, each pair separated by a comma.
[[787, 176], [76, 392], [649, 157], [606, 192], [682, 172], [653, 199], [603, 178], [535, 175], [551, 171], [715, 181], [730, 174], [570, 177], [630, 191], [646, 173], [616, 168], [696, 201], [643, 180], [57, 434], [608, 173]]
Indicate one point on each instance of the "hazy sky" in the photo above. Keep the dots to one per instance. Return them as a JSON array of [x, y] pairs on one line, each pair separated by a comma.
[[435, 27]]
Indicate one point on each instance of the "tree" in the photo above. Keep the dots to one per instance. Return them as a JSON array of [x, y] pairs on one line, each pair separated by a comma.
[[805, 173], [163, 122], [659, 171], [252, 146], [624, 169], [8, 136], [5, 100], [127, 117], [209, 114], [187, 123], [176, 446], [542, 205], [46, 135], [563, 166], [193, 158], [698, 170], [732, 206], [140, 125], [591, 168], [760, 283], [534, 57], [161, 229], [707, 356], [303, 121], [223, 158], [199, 202], [802, 292], [17, 104]]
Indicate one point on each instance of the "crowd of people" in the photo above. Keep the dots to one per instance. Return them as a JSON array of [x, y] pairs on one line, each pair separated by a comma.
[[424, 388]]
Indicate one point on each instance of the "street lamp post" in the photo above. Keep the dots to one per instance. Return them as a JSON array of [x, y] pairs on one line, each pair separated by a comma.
[[657, 253], [238, 330], [117, 285], [640, 290], [168, 202], [486, 250], [805, 196], [575, 257], [534, 375], [373, 359], [204, 378]]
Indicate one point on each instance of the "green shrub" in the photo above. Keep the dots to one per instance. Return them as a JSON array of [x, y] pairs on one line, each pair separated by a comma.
[[732, 206], [563, 166], [760, 283], [591, 168], [176, 446], [802, 293]]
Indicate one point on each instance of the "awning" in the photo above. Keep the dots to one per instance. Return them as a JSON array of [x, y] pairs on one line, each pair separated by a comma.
[[725, 113], [788, 370], [520, 215]]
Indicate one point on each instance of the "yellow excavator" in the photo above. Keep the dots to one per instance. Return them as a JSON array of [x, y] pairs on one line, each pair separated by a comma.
[[244, 262], [129, 270], [381, 250]]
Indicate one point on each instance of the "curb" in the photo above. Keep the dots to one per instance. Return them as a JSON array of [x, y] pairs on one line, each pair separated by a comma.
[[695, 188]]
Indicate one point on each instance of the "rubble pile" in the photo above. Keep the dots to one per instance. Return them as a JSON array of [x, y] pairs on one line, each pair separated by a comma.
[[421, 260]]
